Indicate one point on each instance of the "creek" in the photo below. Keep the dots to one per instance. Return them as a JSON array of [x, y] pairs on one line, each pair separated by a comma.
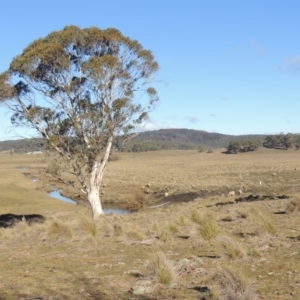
[[107, 208]]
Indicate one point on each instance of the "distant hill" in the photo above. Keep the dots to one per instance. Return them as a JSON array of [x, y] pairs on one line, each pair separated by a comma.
[[184, 139], [24, 145], [150, 140]]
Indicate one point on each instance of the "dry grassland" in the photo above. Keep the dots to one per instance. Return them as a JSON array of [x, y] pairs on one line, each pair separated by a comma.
[[201, 249]]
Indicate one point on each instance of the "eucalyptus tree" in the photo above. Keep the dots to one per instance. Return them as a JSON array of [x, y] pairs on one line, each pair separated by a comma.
[[79, 89]]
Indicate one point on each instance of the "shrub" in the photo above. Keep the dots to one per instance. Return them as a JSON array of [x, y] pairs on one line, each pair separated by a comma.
[[114, 157]]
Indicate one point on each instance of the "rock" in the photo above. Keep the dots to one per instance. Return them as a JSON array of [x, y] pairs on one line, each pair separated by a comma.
[[142, 287], [141, 290]]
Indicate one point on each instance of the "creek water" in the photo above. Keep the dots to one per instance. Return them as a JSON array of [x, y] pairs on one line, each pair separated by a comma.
[[106, 208]]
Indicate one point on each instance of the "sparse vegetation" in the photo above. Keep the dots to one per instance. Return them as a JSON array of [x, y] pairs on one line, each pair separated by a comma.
[[60, 229], [107, 265], [163, 269], [293, 205], [234, 285], [232, 248], [208, 226], [264, 220], [88, 226]]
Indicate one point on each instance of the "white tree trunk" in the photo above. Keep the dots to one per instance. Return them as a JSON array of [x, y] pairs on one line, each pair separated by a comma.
[[94, 199], [95, 182]]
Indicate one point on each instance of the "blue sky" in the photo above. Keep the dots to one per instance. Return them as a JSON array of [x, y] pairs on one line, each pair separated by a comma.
[[227, 66]]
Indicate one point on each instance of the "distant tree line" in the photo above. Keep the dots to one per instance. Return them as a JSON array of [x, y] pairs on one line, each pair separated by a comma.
[[236, 146], [282, 141], [277, 141], [24, 145]]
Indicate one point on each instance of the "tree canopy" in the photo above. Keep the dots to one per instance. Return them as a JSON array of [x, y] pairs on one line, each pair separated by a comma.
[[79, 88]]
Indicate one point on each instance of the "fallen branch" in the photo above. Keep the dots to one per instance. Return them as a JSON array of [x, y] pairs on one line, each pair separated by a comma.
[[159, 205]]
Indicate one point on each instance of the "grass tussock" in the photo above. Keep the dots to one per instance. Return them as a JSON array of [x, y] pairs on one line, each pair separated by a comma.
[[233, 285], [172, 228], [183, 221], [168, 231], [255, 253], [4, 234], [195, 216], [264, 220], [232, 248], [293, 206], [118, 230], [60, 229], [165, 235], [114, 157], [227, 218], [133, 232], [208, 226], [88, 226], [162, 268], [243, 214]]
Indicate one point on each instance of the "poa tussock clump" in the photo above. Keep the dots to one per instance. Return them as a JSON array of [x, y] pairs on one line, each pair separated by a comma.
[[293, 206], [264, 220], [183, 221], [59, 229], [232, 248], [241, 213], [133, 232], [88, 226], [4, 234], [208, 226], [165, 235], [163, 269], [195, 216], [233, 285]]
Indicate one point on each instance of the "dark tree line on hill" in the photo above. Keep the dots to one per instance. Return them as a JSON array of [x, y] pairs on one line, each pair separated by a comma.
[[282, 141], [182, 139], [24, 145], [178, 139], [277, 141], [235, 146]]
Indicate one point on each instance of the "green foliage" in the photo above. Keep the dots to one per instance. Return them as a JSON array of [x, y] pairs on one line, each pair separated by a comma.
[[282, 141], [96, 86], [236, 146], [181, 139]]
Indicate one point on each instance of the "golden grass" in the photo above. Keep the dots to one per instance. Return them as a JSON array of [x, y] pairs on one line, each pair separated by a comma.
[[88, 226], [60, 229], [232, 248], [234, 285], [293, 205], [163, 269], [208, 226], [80, 265], [264, 220]]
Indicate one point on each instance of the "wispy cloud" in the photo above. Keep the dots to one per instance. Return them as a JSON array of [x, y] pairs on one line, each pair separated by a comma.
[[224, 99], [155, 125], [291, 63], [192, 119], [256, 47]]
